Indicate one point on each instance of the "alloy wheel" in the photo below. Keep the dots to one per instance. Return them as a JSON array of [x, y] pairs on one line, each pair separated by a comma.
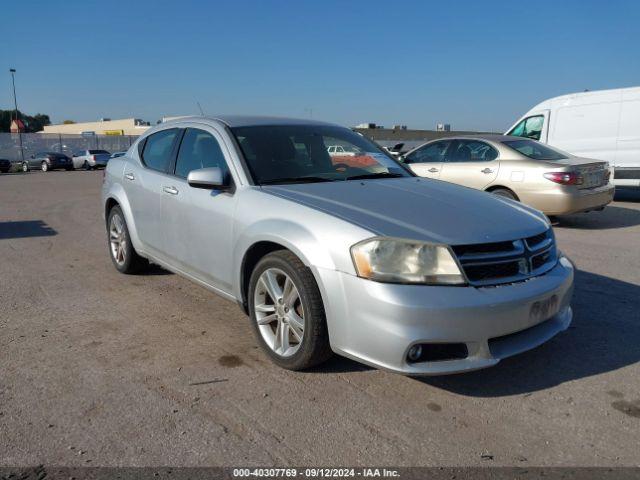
[[45, 167], [279, 312], [117, 239]]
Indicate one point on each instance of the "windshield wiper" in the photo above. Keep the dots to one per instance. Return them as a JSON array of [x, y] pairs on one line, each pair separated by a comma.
[[285, 180], [375, 175]]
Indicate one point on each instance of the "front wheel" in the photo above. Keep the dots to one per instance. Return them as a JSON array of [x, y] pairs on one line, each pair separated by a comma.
[[25, 167], [44, 166], [123, 255], [287, 313]]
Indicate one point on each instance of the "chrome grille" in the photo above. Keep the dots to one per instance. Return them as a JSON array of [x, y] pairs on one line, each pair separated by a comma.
[[497, 263]]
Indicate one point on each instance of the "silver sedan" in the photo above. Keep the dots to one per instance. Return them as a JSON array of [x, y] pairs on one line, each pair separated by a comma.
[[352, 255]]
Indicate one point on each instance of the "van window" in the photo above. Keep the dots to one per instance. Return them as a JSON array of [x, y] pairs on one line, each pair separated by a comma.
[[530, 127], [157, 149]]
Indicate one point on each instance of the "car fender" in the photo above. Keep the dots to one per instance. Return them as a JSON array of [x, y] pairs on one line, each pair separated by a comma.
[[116, 192], [291, 235]]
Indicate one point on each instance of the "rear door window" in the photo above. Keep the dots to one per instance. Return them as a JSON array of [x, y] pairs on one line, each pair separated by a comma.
[[158, 148], [471, 151]]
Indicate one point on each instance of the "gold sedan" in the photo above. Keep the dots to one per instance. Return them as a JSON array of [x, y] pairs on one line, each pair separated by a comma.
[[546, 178]]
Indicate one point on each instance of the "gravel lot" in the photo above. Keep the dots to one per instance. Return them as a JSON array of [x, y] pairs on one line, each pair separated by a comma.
[[98, 368]]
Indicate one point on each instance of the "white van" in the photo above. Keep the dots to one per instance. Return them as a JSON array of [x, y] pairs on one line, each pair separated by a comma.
[[603, 125]]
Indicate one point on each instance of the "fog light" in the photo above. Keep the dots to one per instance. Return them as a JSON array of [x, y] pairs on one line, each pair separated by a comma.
[[415, 353]]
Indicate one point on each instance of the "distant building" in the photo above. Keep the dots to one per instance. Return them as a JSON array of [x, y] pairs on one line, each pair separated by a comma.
[[16, 126], [443, 127], [127, 126]]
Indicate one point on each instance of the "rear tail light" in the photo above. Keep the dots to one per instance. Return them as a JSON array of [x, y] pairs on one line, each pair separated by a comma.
[[93, 157], [564, 178]]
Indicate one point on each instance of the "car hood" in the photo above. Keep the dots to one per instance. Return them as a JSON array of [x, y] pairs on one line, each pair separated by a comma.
[[419, 208]]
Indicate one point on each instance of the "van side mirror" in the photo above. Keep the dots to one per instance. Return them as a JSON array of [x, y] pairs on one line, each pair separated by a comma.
[[210, 178]]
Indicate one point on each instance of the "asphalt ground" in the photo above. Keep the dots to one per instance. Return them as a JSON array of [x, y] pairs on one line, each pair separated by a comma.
[[103, 369]]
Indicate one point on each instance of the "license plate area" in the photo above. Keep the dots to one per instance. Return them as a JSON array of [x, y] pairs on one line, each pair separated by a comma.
[[542, 310]]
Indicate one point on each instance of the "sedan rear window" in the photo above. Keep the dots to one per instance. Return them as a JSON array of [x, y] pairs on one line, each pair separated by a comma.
[[535, 150], [98, 152]]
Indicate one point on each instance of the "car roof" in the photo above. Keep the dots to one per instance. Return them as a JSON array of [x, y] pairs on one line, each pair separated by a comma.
[[251, 120], [490, 137]]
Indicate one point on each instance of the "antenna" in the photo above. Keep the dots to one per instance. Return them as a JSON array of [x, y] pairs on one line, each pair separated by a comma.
[[200, 108]]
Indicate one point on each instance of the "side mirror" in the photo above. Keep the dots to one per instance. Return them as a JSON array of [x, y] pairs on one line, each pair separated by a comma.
[[208, 178], [33, 156]]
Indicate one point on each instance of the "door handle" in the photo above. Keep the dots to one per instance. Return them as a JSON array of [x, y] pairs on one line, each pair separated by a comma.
[[170, 190], [129, 176], [487, 170], [433, 170]]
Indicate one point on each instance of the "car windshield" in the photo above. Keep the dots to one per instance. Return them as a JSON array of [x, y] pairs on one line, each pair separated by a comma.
[[535, 150], [300, 153]]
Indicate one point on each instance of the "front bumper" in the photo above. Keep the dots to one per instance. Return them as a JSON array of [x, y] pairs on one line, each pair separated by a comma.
[[567, 200], [377, 323]]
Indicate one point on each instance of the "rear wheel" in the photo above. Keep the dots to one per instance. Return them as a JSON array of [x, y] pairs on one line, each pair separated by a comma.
[[123, 255], [287, 313], [86, 166], [44, 166], [506, 193], [25, 167]]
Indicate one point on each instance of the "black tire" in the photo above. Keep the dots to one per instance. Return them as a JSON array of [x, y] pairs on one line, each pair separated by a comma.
[[506, 193], [86, 166], [69, 169], [25, 167], [314, 348], [5, 171], [133, 263]]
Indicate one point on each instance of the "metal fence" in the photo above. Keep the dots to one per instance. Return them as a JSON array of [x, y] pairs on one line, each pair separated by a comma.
[[33, 143]]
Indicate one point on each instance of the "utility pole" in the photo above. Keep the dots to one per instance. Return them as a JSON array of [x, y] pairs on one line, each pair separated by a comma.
[[15, 102]]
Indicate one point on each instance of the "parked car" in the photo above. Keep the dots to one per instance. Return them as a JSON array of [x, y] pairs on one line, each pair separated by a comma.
[[46, 161], [601, 124], [373, 263], [545, 178], [117, 154], [5, 165], [395, 150], [90, 159]]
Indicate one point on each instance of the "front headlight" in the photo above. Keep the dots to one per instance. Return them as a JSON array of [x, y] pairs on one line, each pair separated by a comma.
[[405, 261]]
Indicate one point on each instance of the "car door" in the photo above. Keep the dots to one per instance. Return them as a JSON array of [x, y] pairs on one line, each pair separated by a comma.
[[199, 222], [472, 163], [427, 160], [34, 162], [144, 182], [78, 159]]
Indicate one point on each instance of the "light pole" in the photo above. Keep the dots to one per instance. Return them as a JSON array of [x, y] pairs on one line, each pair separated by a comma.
[[15, 102]]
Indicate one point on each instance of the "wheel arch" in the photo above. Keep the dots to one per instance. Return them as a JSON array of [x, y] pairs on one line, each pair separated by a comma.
[[493, 188], [251, 248], [117, 196]]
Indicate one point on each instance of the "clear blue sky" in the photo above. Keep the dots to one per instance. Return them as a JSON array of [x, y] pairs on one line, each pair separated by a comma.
[[474, 64]]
